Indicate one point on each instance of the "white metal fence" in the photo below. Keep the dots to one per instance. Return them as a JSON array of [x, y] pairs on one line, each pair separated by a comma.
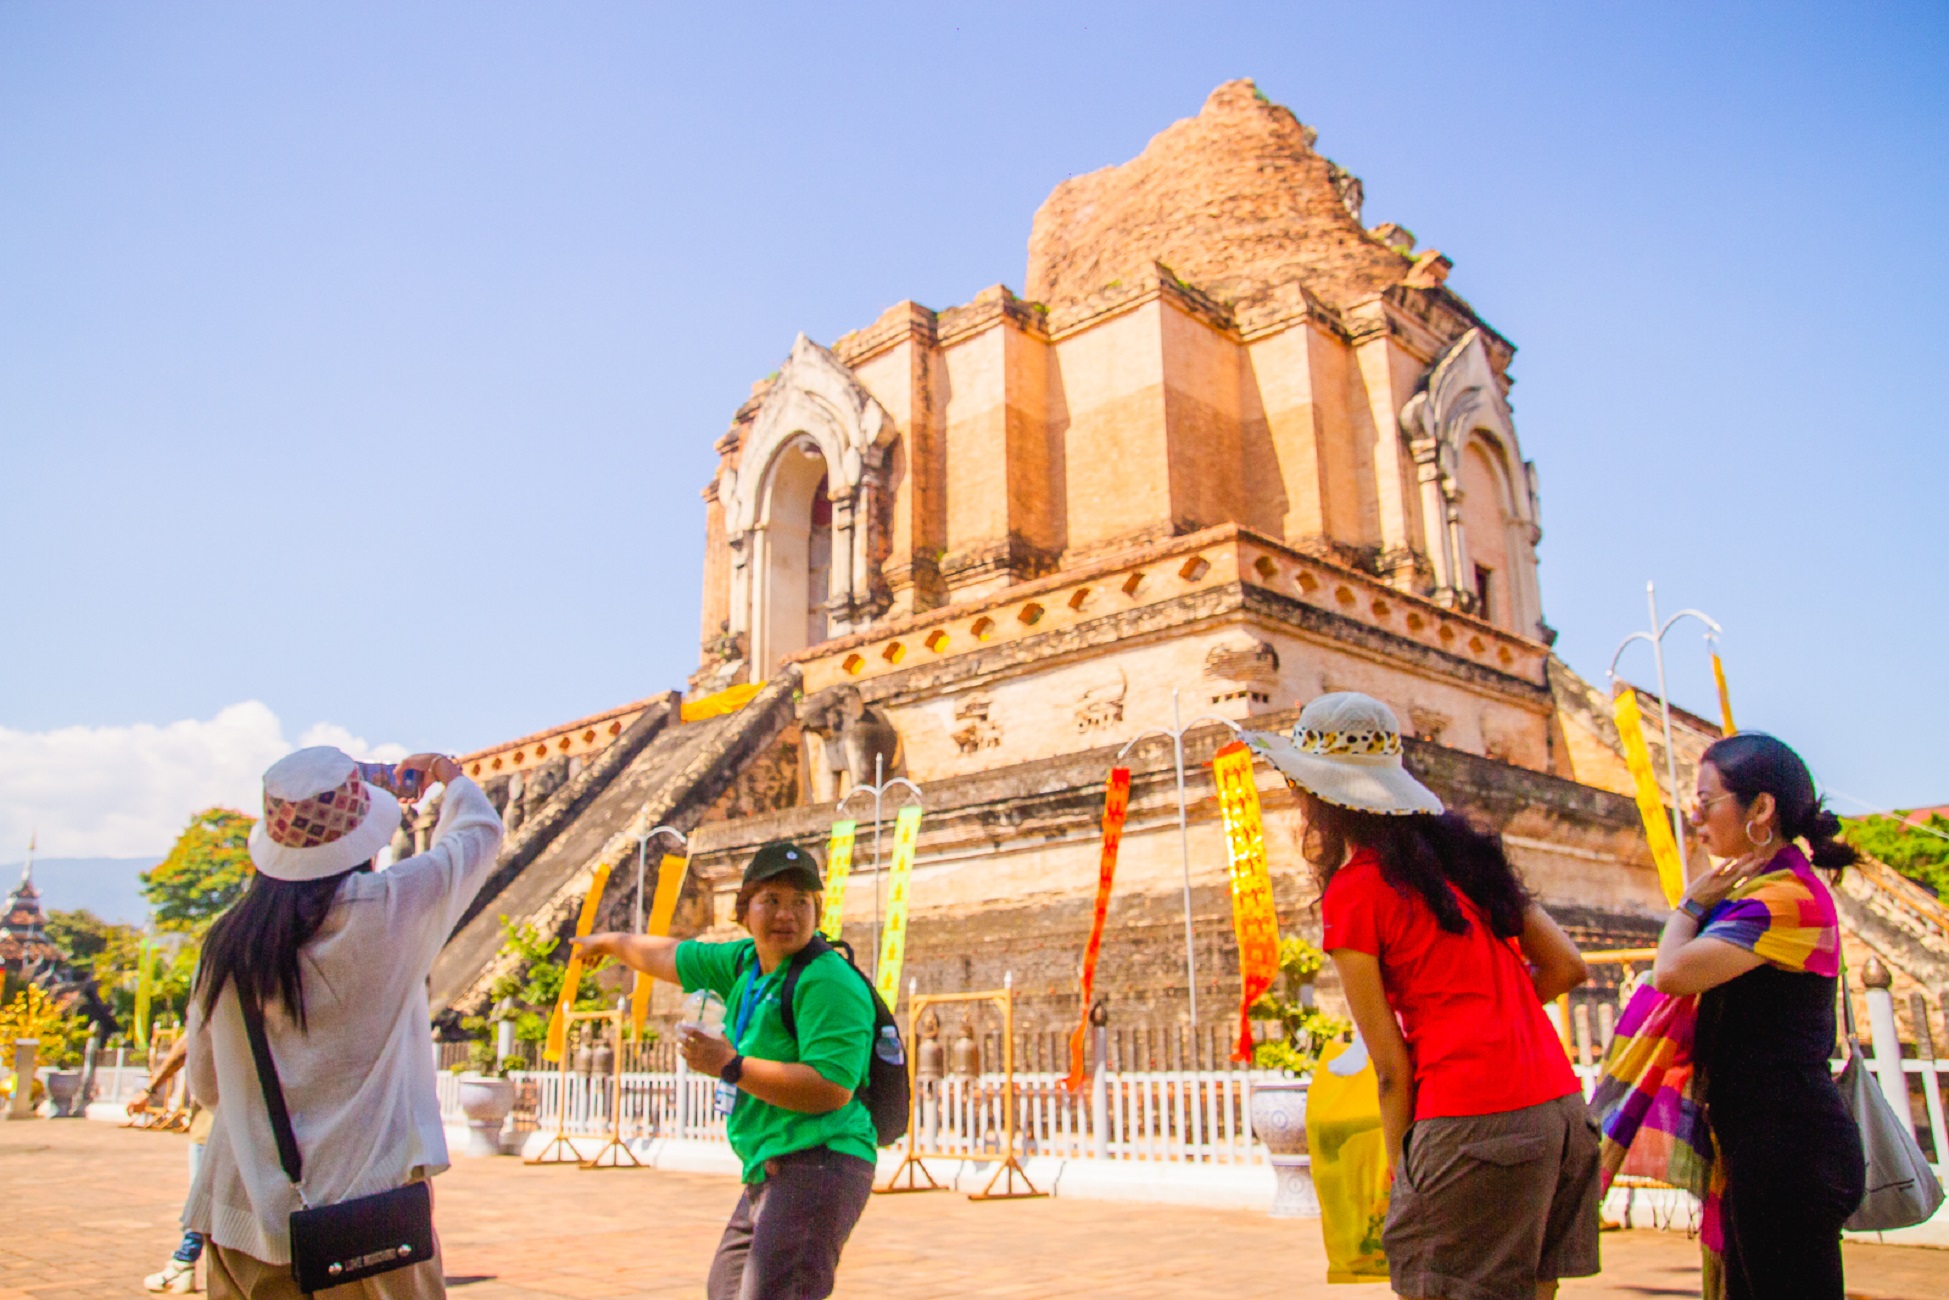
[[1200, 1116], [1183, 1116]]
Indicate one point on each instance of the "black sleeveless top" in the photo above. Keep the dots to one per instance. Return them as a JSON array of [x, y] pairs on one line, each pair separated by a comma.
[[1762, 1048], [1764, 1018]]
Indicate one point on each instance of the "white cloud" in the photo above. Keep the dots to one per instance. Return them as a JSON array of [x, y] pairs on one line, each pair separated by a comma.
[[127, 791], [330, 733]]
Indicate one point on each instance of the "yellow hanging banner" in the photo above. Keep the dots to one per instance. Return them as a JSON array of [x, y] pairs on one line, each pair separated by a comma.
[[1725, 696], [839, 865], [893, 938], [1254, 919], [1651, 802], [663, 908], [557, 1023]]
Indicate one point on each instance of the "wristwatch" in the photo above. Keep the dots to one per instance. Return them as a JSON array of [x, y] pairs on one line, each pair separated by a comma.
[[1693, 908], [733, 1071]]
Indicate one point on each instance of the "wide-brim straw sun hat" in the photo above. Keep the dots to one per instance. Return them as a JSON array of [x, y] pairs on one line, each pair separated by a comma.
[[1346, 750], [319, 817]]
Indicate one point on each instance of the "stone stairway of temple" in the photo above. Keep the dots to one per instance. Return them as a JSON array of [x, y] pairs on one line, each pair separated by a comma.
[[661, 772], [1902, 922]]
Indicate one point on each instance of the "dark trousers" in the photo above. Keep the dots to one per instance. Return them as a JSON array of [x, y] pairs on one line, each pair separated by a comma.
[[784, 1239], [1794, 1172]]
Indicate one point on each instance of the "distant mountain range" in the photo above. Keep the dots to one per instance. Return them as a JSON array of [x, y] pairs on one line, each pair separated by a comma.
[[105, 886]]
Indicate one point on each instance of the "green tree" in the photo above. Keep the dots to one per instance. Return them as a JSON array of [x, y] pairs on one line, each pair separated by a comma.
[[112, 953], [1919, 852], [82, 936], [204, 873], [534, 981]]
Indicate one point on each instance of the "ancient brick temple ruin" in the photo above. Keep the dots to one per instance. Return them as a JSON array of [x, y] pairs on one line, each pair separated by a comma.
[[1229, 449]]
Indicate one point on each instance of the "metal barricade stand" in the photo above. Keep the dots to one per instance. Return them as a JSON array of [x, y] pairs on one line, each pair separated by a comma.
[[615, 1152], [912, 1168]]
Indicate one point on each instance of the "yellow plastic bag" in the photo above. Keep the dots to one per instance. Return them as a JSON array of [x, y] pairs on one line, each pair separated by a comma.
[[1343, 1133]]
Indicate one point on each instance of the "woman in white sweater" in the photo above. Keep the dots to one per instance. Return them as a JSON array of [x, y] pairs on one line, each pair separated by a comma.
[[338, 956]]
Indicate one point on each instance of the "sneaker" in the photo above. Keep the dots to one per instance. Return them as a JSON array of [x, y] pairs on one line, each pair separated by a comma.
[[176, 1278]]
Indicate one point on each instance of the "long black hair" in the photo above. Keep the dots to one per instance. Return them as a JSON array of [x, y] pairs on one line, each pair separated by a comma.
[[1752, 763], [1422, 854], [256, 941]]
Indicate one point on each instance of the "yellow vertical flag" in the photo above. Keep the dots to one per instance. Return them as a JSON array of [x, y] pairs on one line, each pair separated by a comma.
[[839, 865], [669, 886], [1254, 919], [1651, 802], [893, 938], [558, 1023], [1725, 696], [144, 990]]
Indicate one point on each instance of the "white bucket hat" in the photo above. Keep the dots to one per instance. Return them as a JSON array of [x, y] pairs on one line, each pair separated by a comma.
[[319, 817], [1346, 749]]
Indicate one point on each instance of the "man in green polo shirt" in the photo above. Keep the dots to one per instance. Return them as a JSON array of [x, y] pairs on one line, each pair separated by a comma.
[[806, 1141]]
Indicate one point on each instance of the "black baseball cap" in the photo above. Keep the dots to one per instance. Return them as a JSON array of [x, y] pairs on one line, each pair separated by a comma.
[[780, 860]]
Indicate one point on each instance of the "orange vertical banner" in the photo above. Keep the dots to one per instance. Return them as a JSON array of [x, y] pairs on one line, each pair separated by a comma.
[[557, 1040], [1116, 805], [1254, 919], [1726, 724], [669, 887]]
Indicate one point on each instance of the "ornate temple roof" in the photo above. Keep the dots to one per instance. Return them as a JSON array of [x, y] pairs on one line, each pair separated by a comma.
[[23, 937]]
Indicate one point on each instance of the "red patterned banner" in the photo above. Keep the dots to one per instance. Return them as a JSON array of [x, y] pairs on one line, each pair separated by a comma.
[[1116, 805], [1254, 919]]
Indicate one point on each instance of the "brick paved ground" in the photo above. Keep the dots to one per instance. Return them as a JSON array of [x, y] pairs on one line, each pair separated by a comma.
[[86, 1209]]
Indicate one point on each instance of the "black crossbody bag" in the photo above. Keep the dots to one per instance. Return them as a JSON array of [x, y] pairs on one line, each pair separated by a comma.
[[332, 1245]]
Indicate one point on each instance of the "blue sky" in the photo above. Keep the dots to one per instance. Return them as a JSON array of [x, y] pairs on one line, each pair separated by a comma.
[[363, 361]]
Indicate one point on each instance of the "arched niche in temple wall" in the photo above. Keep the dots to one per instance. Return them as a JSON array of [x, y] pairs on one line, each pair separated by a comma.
[[800, 507], [1478, 495]]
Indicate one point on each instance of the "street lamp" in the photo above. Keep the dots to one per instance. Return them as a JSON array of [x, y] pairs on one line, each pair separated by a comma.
[[1656, 640], [1175, 732], [643, 839], [881, 784]]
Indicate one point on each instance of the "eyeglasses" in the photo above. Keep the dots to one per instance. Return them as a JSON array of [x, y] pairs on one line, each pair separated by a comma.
[[1697, 810]]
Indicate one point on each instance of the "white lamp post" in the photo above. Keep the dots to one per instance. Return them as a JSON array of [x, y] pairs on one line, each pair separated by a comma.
[[1655, 638]]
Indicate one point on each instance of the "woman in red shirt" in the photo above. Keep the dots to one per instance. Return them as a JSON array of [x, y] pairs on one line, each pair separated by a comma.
[[1446, 961]]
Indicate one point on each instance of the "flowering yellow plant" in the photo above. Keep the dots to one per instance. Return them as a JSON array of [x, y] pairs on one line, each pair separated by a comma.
[[31, 1013]]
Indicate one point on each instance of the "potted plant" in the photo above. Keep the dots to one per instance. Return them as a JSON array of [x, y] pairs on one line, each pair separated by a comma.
[[1279, 1104], [486, 1098]]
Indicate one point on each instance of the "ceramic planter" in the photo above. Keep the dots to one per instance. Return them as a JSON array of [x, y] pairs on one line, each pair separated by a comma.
[[63, 1093], [486, 1103], [1279, 1121]]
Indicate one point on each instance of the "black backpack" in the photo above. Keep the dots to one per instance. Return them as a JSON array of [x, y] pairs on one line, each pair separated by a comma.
[[885, 1092]]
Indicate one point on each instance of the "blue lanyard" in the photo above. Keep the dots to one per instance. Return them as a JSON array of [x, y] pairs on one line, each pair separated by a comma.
[[748, 1007]]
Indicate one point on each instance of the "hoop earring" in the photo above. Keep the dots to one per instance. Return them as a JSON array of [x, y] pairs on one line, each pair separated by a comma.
[[1756, 843]]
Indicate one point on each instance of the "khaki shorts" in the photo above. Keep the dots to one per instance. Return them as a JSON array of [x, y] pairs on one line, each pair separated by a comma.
[[1486, 1206], [237, 1276]]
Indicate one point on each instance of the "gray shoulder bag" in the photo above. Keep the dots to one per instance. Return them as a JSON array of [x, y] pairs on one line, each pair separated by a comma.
[[1902, 1189]]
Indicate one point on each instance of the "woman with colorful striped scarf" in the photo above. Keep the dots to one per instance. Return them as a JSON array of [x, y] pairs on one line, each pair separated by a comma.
[[1725, 1053]]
